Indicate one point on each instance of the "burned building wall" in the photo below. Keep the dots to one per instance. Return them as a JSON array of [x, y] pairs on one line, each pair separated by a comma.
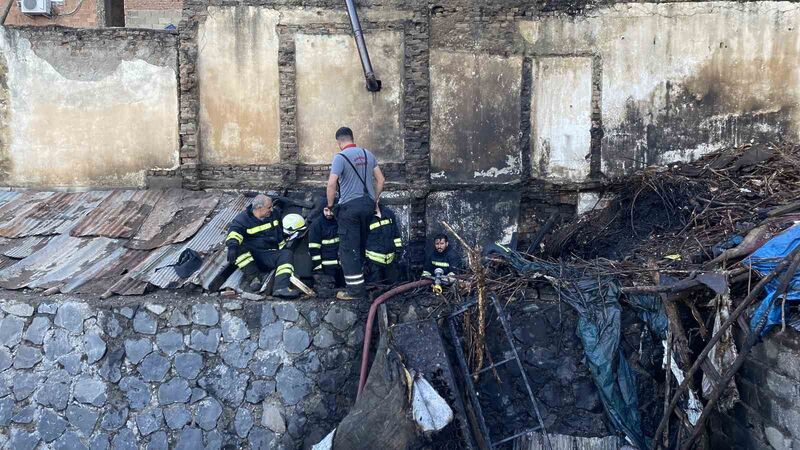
[[87, 107], [679, 80], [475, 117]]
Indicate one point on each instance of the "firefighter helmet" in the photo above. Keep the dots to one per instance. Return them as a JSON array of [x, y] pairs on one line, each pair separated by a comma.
[[293, 223]]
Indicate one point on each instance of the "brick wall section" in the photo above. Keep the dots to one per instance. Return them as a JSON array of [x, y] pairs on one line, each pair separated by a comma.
[[768, 416], [90, 14]]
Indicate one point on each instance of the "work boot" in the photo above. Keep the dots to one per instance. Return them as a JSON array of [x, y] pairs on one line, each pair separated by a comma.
[[352, 293], [286, 293]]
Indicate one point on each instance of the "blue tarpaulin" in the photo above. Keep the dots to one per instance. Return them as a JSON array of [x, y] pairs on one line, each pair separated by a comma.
[[764, 260]]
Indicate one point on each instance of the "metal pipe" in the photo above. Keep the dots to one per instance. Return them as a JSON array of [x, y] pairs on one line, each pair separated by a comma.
[[362, 380], [373, 84]]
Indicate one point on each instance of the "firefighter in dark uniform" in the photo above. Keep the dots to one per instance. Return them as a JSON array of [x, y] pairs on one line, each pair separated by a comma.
[[442, 257], [323, 245], [255, 245], [384, 248]]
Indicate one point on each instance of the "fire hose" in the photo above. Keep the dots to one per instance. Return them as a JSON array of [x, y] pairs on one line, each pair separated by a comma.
[[362, 380]]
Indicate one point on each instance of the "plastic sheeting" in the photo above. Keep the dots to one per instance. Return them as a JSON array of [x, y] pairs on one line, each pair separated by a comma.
[[596, 299], [764, 260]]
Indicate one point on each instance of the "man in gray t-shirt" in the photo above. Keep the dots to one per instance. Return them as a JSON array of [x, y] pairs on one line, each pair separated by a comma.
[[356, 174]]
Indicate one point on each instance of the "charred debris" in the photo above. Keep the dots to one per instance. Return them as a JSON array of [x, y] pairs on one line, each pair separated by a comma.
[[627, 324]]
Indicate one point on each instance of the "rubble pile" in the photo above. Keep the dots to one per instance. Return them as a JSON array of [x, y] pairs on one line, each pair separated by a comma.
[[685, 216], [675, 255]]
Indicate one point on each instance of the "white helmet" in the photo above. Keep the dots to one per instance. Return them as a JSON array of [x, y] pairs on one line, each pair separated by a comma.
[[293, 223]]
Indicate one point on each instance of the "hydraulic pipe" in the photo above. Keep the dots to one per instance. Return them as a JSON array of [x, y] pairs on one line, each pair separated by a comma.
[[373, 84], [362, 380]]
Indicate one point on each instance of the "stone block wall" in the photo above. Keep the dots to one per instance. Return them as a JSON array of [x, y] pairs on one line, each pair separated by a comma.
[[209, 374], [768, 415]]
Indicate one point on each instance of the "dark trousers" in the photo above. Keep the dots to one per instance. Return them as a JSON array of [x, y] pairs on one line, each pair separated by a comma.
[[264, 261], [334, 273], [379, 273], [353, 218]]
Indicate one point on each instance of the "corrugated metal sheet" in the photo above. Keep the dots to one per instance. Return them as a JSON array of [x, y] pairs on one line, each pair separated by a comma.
[[7, 196], [53, 215], [106, 272], [5, 261], [175, 218], [120, 215], [214, 266], [135, 281], [233, 281], [24, 247], [22, 204], [210, 237], [62, 258]]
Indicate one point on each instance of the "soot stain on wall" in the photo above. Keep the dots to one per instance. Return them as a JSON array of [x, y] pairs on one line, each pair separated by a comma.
[[714, 108]]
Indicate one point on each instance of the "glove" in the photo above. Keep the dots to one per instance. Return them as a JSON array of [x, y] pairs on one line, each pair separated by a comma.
[[232, 251]]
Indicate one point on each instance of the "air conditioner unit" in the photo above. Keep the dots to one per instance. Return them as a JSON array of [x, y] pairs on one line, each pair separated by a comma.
[[35, 6]]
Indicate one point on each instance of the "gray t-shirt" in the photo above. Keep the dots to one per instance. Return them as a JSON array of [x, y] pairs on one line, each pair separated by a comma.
[[350, 185]]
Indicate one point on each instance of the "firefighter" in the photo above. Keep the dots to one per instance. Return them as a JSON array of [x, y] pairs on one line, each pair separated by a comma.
[[384, 247], [256, 246], [355, 172], [323, 245], [442, 257]]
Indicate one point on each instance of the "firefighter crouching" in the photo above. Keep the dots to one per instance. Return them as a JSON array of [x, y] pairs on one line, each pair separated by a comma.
[[323, 245], [442, 257], [256, 246], [384, 248]]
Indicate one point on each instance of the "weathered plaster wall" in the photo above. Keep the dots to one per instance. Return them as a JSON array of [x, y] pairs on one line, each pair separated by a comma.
[[478, 217], [561, 117], [681, 79], [475, 117], [87, 108], [237, 71], [331, 93]]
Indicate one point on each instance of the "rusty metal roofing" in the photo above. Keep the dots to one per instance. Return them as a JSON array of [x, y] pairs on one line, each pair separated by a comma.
[[176, 217], [106, 272], [62, 258], [23, 247], [52, 215], [210, 237], [135, 281], [5, 261], [22, 204], [7, 196], [119, 215], [213, 266], [118, 241]]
